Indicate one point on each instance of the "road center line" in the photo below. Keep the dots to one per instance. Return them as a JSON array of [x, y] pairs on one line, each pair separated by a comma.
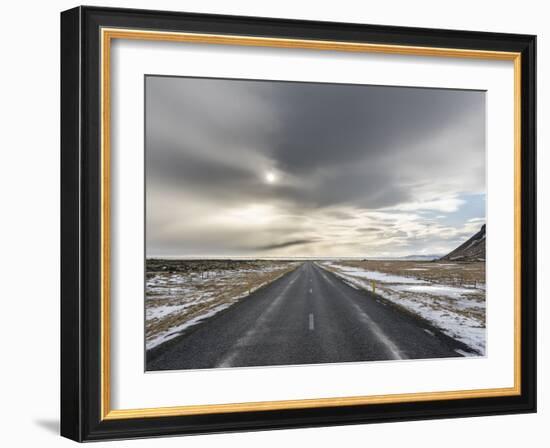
[[311, 290], [311, 322]]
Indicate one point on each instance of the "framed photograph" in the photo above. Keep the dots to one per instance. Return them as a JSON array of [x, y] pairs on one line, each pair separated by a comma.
[[275, 224]]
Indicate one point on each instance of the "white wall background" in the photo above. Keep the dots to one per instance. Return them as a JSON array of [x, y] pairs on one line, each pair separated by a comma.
[[29, 228]]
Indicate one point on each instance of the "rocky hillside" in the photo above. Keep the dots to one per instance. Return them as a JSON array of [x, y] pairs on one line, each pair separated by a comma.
[[471, 250]]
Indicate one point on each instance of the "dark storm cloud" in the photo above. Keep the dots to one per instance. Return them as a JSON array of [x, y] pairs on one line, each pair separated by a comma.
[[345, 123], [332, 150], [370, 229], [285, 244]]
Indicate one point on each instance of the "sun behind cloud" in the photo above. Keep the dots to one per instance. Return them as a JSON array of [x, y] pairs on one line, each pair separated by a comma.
[[270, 177]]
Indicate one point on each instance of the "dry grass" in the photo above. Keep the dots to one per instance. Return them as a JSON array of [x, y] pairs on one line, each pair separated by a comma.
[[450, 295], [179, 291], [445, 273]]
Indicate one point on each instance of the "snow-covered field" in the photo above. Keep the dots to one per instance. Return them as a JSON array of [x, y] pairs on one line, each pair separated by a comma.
[[180, 294], [457, 309]]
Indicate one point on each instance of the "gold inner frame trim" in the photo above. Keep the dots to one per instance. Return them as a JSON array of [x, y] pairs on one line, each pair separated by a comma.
[[107, 35]]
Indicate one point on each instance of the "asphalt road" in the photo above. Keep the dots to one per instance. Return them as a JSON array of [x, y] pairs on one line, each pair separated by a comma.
[[308, 316]]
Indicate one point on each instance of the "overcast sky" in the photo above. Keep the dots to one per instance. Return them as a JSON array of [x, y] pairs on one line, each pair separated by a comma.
[[262, 168]]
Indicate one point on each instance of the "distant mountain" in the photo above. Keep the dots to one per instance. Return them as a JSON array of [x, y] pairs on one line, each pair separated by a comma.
[[403, 258], [420, 257], [471, 250]]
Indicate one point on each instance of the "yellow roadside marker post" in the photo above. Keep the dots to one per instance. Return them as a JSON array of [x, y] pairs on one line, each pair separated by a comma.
[[373, 287]]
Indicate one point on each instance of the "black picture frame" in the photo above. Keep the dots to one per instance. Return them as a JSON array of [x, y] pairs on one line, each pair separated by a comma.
[[81, 381]]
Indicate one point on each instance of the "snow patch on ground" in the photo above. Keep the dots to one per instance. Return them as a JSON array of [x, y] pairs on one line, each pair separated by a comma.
[[175, 302], [373, 275], [438, 290], [175, 331], [457, 311]]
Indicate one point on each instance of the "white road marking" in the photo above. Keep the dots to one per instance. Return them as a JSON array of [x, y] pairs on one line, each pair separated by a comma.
[[431, 333], [464, 352], [351, 284], [381, 336], [326, 278], [311, 322], [310, 290]]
